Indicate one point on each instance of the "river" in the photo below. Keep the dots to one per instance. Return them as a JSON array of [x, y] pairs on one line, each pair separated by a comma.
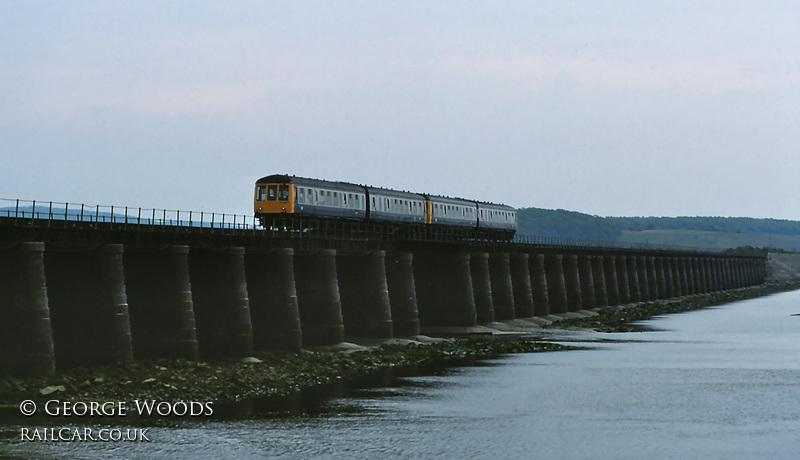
[[718, 383]]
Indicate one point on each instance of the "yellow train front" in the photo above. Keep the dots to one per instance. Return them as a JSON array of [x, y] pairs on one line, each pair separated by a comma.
[[298, 197], [289, 197]]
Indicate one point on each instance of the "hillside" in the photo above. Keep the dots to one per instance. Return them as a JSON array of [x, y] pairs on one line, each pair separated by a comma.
[[702, 232]]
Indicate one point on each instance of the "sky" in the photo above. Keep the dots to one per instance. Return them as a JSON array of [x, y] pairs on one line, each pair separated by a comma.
[[612, 108]]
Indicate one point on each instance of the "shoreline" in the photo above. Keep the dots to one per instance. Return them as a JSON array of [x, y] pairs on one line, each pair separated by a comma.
[[285, 381], [621, 318]]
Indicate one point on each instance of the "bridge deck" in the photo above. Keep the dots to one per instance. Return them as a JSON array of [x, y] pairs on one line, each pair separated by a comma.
[[78, 224]]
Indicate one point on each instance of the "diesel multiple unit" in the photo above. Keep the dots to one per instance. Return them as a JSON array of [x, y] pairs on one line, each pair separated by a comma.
[[311, 198]]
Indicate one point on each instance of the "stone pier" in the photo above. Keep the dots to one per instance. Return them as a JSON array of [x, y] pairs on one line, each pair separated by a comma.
[[318, 296], [88, 305], [556, 285], [612, 285], [364, 291], [572, 281], [159, 293], [482, 287], [444, 289], [521, 283], [221, 303], [402, 293], [26, 336], [272, 294], [589, 299], [599, 279], [541, 298], [502, 288]]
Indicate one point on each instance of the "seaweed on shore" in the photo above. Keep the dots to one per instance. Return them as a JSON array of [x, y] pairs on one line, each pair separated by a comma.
[[277, 374]]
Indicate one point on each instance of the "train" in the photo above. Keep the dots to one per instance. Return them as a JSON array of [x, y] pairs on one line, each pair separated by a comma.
[[313, 200]]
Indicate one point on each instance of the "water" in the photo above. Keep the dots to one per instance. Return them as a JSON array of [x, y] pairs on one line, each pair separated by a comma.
[[711, 384]]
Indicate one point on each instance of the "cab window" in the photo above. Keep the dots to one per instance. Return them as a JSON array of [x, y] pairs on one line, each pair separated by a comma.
[[283, 193], [261, 193], [272, 192]]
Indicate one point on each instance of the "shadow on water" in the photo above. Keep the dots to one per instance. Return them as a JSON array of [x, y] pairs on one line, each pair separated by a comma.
[[314, 400]]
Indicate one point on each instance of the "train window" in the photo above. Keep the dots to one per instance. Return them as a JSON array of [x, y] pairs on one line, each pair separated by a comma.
[[261, 193], [329, 200], [283, 193], [272, 192], [302, 196]]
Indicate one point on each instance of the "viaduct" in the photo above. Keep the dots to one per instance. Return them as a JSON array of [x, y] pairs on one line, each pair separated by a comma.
[[87, 288]]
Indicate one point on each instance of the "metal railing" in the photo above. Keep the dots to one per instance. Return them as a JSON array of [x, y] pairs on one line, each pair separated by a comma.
[[44, 213], [539, 240], [53, 211]]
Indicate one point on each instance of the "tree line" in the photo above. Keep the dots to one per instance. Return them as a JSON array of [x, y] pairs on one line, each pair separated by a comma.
[[571, 224]]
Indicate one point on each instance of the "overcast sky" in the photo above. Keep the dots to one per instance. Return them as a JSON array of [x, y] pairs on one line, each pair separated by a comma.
[[623, 108]]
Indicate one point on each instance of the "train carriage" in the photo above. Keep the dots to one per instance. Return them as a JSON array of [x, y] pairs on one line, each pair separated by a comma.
[[497, 221], [393, 206], [300, 198], [452, 211], [497, 216]]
